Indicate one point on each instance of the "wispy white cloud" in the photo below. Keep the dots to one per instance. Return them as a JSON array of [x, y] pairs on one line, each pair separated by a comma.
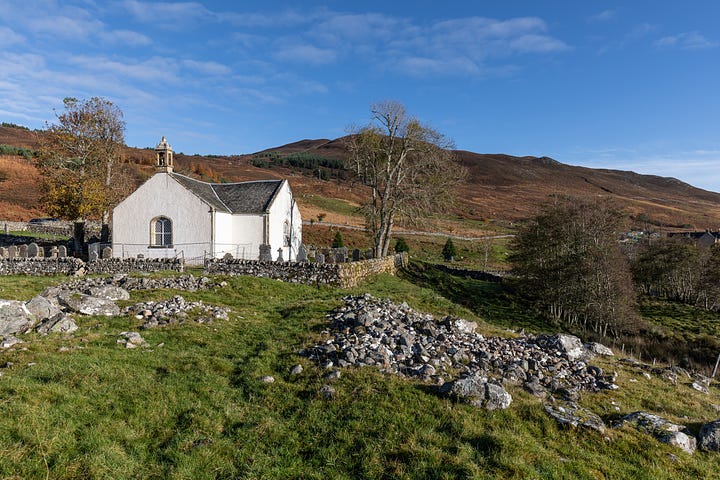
[[208, 68], [167, 14], [9, 37], [687, 41], [603, 16], [304, 53], [126, 37]]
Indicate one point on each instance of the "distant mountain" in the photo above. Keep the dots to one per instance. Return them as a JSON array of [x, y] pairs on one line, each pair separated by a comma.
[[499, 187]]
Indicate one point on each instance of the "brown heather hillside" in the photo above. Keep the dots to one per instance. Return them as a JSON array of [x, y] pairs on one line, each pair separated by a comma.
[[501, 188]]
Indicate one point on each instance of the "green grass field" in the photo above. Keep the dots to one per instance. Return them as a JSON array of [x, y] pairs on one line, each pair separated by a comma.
[[192, 406]]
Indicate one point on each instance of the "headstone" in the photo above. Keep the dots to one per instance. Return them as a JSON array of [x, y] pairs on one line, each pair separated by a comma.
[[302, 254], [228, 256], [343, 250], [369, 254], [54, 252], [94, 248], [7, 229], [107, 252], [340, 257], [23, 251], [280, 255], [41, 252], [357, 255], [62, 251], [3, 252], [140, 256], [311, 251], [320, 258], [12, 251], [265, 253], [93, 257], [329, 258], [32, 250]]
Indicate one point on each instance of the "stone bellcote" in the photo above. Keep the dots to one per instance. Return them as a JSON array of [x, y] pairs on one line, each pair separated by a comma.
[[163, 156]]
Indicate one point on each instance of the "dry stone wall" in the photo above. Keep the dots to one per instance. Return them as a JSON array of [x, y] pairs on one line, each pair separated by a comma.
[[75, 266], [336, 274]]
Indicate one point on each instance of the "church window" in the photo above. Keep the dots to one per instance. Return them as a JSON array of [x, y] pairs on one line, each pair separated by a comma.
[[161, 232], [286, 234]]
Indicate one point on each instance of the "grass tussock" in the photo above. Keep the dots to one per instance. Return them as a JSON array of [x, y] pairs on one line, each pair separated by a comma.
[[193, 405]]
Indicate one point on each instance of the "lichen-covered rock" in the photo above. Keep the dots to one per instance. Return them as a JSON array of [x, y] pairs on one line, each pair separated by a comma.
[[7, 341], [569, 413], [15, 317], [42, 308], [599, 349], [663, 430], [569, 345], [60, 323], [132, 340], [89, 305], [110, 292], [477, 391], [709, 436]]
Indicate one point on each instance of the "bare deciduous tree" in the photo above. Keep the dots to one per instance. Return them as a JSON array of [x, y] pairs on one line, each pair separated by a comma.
[[407, 165]]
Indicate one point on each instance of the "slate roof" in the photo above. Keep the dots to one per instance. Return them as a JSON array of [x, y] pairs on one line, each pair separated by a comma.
[[245, 197]]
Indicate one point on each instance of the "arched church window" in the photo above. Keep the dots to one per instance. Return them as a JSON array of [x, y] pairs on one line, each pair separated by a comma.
[[286, 234], [161, 232]]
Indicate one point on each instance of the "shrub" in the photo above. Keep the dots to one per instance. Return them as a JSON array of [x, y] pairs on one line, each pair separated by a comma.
[[338, 241], [449, 251], [401, 245]]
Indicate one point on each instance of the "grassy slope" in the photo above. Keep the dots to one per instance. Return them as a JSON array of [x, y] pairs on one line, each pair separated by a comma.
[[195, 407]]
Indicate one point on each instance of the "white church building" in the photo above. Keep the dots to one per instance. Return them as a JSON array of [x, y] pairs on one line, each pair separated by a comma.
[[175, 216]]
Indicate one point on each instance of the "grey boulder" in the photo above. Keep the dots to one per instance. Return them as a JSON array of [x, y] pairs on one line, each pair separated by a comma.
[[569, 413], [110, 292], [58, 324], [42, 307], [89, 305], [15, 317], [479, 392], [663, 430], [709, 436]]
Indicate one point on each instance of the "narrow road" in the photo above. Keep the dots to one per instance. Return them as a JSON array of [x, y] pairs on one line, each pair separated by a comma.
[[410, 232]]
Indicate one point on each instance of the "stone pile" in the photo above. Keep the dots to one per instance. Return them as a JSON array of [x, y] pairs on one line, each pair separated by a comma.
[[174, 311], [393, 338]]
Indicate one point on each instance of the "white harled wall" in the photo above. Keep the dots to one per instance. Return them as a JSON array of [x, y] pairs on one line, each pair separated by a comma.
[[284, 208], [161, 195]]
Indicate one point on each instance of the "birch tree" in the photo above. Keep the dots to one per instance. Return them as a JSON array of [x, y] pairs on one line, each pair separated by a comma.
[[408, 167]]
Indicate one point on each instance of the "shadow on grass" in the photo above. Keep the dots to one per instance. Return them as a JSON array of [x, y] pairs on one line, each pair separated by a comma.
[[493, 301]]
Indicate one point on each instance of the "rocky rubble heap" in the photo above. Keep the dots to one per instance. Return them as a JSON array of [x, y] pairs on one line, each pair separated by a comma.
[[393, 338], [174, 311]]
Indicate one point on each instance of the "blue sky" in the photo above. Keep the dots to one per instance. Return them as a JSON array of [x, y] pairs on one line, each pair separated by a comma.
[[629, 85]]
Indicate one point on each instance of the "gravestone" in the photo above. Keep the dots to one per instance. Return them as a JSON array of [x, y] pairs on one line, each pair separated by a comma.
[[140, 256], [3, 252], [93, 257], [265, 253], [302, 254], [311, 251], [54, 252], [357, 255], [320, 258], [228, 256], [23, 251], [329, 258], [341, 250], [369, 254], [41, 252], [107, 252], [32, 250], [280, 255], [62, 251], [12, 251], [340, 257], [7, 229]]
